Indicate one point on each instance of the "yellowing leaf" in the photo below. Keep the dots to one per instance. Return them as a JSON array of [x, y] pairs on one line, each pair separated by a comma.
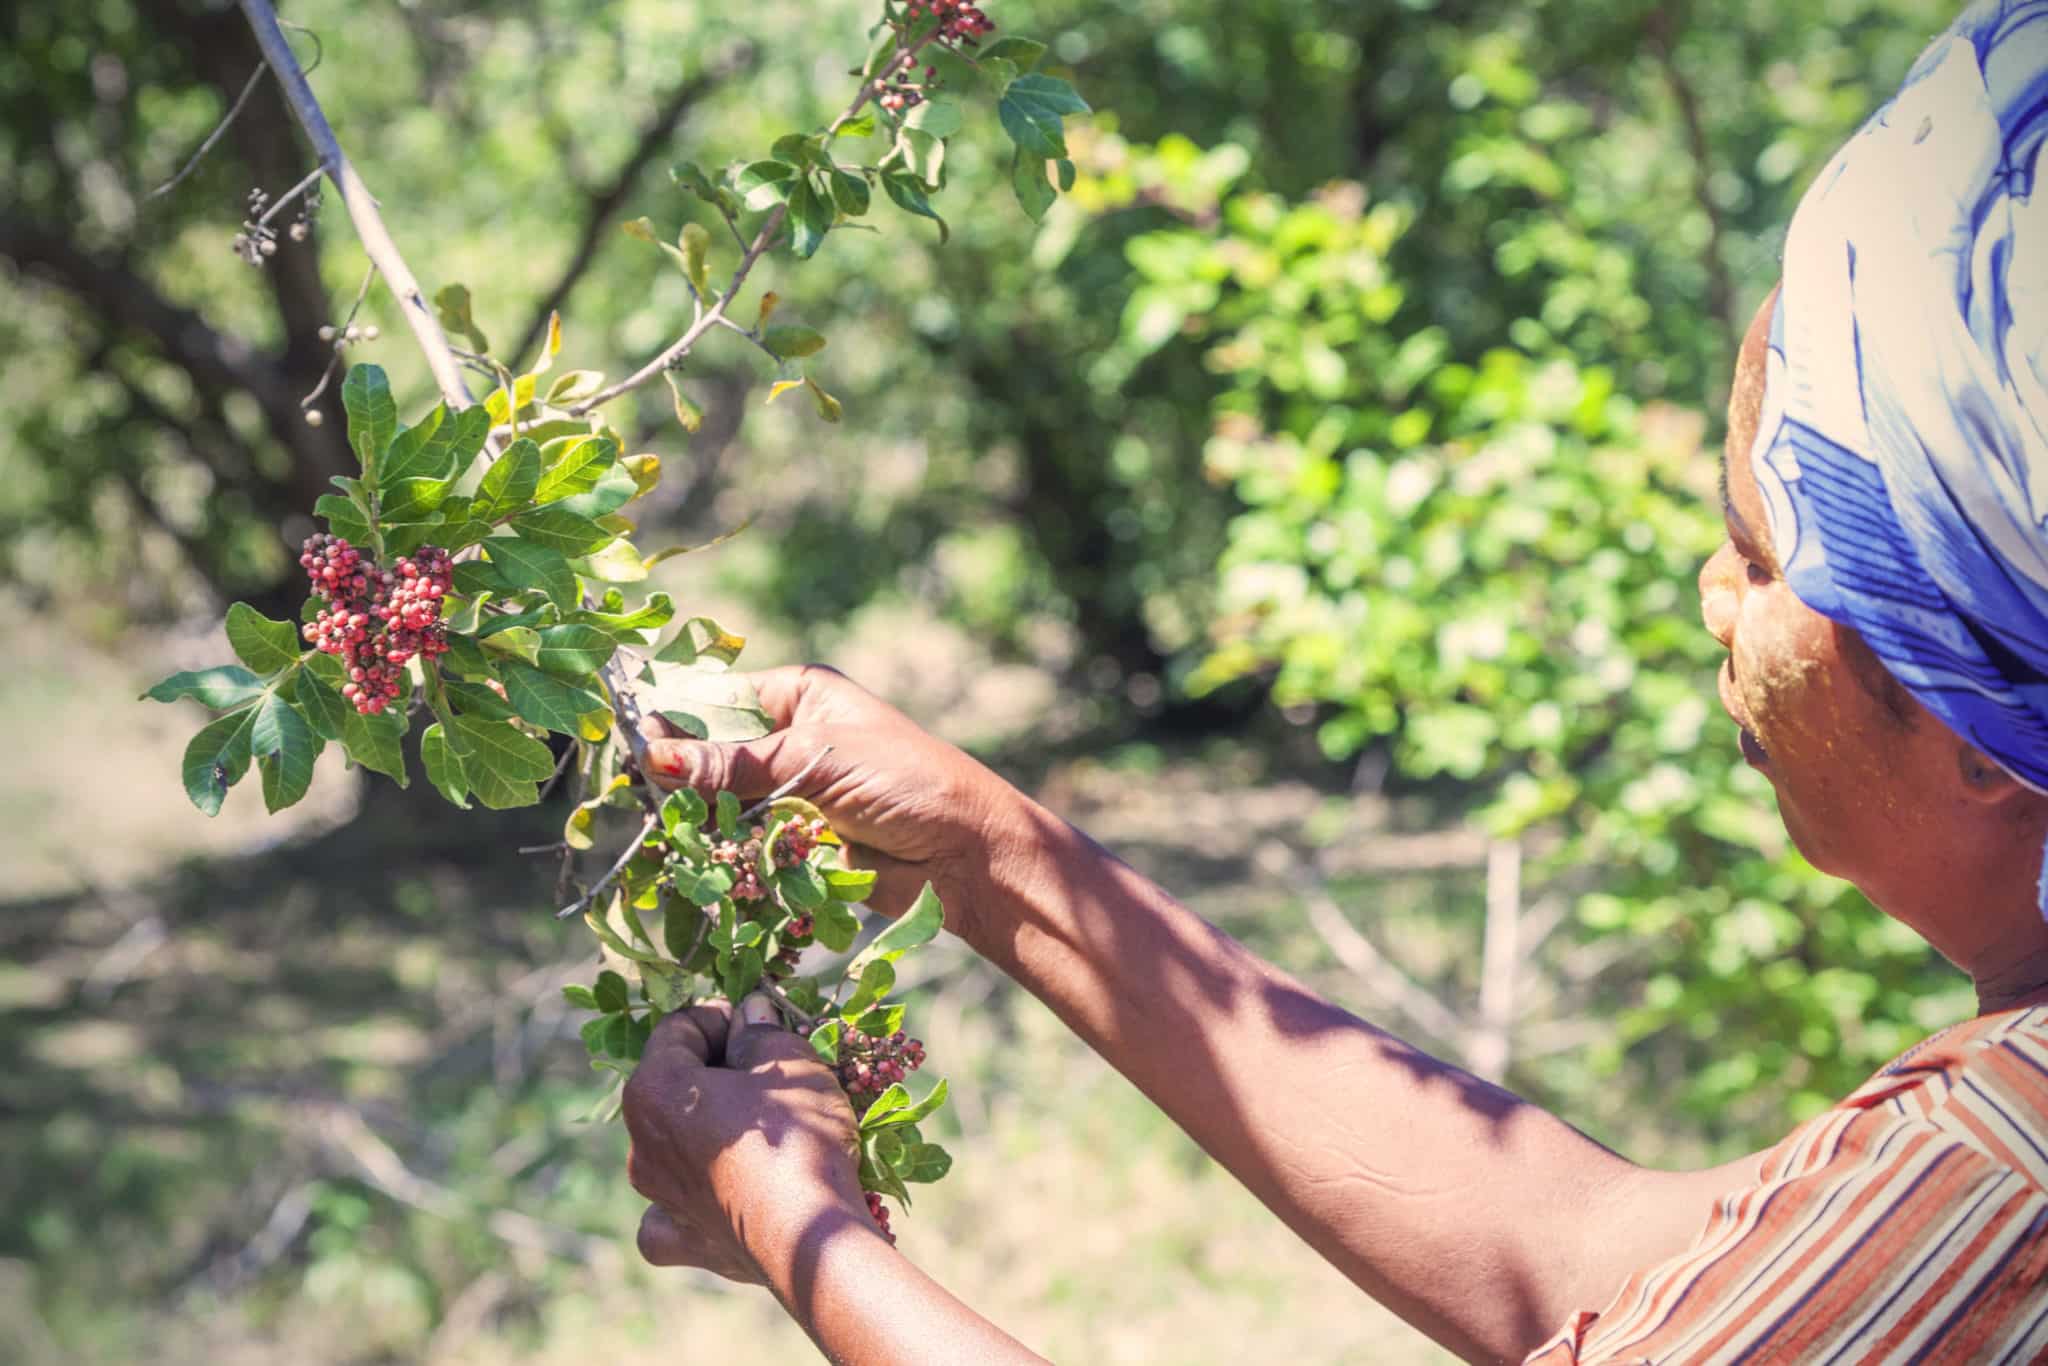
[[768, 302], [781, 387], [646, 472], [696, 246], [828, 406], [576, 830], [687, 411]]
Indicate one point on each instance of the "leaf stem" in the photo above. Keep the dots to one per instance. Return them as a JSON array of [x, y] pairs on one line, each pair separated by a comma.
[[618, 866], [763, 239]]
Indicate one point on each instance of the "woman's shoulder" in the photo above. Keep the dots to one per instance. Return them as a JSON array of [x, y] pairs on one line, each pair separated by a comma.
[[1983, 1083]]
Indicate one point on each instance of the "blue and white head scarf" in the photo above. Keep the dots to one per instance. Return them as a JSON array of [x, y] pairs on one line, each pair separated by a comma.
[[1903, 451]]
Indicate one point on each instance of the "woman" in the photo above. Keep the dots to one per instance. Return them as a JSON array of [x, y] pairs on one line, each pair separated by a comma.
[[1883, 596]]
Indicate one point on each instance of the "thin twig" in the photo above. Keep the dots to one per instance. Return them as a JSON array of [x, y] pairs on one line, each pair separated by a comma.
[[625, 857], [763, 239], [312, 178], [327, 375], [361, 204], [555, 847], [792, 785], [219, 131]]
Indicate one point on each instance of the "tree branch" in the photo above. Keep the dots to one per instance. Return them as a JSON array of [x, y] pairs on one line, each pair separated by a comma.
[[710, 317], [361, 204], [605, 203]]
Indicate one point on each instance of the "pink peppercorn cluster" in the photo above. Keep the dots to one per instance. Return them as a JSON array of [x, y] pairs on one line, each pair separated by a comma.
[[744, 859], [795, 841], [375, 619], [960, 21], [870, 1066], [879, 1212], [961, 24]]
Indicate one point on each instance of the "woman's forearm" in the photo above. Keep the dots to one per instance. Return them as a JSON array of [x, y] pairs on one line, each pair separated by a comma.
[[1471, 1213], [864, 1303]]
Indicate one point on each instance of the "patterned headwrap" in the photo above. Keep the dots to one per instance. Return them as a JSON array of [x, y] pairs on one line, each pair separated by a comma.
[[1903, 450]]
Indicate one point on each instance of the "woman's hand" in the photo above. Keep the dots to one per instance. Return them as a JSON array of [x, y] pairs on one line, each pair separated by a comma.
[[741, 1138], [911, 807]]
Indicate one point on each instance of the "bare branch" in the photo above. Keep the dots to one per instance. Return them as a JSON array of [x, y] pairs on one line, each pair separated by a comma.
[[361, 204], [792, 785], [1379, 973], [219, 131], [597, 888]]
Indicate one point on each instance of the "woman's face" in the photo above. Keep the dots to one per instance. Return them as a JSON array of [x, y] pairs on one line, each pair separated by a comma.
[[1863, 773]]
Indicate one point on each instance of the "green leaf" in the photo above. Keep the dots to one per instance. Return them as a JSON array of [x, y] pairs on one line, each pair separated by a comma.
[[221, 687], [723, 704], [940, 116], [691, 177], [583, 998], [372, 741], [1024, 52], [835, 926], [1028, 179], [924, 154], [444, 769], [561, 530], [789, 341], [909, 196], [728, 815], [576, 651], [656, 611], [683, 810], [264, 645], [1030, 112], [403, 538], [877, 1171], [882, 1021], [825, 1040], [849, 884], [420, 452], [923, 1162], [342, 518], [877, 979], [284, 747], [764, 184], [525, 564], [810, 218], [610, 991], [710, 885], [460, 534], [547, 701], [801, 886], [681, 924], [410, 500], [893, 1107], [918, 925], [799, 149], [696, 248], [325, 709], [614, 488], [849, 193], [467, 658], [702, 642], [216, 758], [503, 765], [452, 307], [477, 700], [516, 642], [573, 464], [508, 485], [372, 416], [619, 562]]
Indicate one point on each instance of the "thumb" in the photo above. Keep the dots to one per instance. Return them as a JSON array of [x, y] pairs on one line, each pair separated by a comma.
[[746, 768], [759, 1038]]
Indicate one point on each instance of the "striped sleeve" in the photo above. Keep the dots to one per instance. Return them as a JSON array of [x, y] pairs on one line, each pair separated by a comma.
[[1908, 1224]]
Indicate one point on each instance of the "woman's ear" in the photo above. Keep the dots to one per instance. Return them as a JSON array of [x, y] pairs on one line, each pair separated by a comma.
[[1983, 780]]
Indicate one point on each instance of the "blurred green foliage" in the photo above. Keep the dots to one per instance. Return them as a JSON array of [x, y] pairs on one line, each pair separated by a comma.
[[1374, 366]]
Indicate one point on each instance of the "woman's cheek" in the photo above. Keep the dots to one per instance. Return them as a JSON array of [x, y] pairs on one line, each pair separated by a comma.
[[1779, 669]]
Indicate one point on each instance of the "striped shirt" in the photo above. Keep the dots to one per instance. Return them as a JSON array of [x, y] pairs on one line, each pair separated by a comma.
[[1908, 1223]]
